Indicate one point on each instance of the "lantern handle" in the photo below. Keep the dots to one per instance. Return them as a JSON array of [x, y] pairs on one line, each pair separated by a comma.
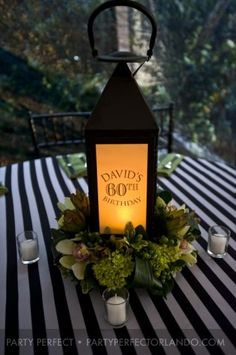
[[128, 3]]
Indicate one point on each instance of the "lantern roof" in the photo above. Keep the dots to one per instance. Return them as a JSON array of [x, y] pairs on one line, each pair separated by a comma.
[[121, 105]]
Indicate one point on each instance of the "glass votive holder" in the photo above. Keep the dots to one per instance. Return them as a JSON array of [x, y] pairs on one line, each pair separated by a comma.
[[218, 239], [28, 247], [116, 304]]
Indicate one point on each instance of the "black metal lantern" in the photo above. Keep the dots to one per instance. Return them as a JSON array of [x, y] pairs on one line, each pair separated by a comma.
[[121, 142]]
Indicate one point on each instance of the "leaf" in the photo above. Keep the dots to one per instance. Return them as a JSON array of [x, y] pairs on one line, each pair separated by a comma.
[[189, 259], [57, 235], [139, 230], [89, 282], [166, 196], [87, 285], [182, 232], [73, 221], [179, 263], [168, 287], [3, 190], [81, 201], [67, 205], [129, 231], [193, 221], [143, 276]]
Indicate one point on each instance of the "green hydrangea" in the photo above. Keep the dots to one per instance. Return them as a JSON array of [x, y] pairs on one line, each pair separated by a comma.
[[113, 270], [161, 257]]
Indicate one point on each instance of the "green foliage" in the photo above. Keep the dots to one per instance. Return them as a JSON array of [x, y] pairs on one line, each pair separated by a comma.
[[113, 270], [3, 189], [75, 211], [144, 276], [89, 282], [132, 259], [162, 260]]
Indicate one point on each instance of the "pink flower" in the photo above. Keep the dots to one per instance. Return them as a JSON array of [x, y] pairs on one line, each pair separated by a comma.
[[186, 247], [80, 252], [183, 244]]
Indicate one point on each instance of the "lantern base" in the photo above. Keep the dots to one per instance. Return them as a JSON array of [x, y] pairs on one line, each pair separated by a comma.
[[127, 57]]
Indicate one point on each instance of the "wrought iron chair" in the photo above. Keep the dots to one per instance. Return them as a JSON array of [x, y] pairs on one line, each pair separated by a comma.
[[165, 119], [57, 133], [63, 132]]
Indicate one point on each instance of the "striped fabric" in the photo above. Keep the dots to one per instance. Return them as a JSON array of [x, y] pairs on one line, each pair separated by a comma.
[[42, 313]]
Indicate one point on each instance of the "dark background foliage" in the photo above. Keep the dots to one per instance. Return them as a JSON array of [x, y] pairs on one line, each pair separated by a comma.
[[46, 66]]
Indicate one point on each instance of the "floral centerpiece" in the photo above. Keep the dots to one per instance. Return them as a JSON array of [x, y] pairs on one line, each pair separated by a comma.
[[133, 259]]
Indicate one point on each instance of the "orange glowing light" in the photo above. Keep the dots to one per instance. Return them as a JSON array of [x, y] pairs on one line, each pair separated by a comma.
[[122, 185]]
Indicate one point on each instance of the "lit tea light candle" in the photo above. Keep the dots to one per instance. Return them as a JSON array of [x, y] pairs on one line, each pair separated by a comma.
[[218, 243], [116, 310], [29, 249]]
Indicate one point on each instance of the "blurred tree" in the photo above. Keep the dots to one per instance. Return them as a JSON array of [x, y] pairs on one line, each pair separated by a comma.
[[46, 62], [197, 52]]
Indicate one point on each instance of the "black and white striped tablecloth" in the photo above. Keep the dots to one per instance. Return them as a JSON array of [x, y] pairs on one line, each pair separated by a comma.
[[42, 313]]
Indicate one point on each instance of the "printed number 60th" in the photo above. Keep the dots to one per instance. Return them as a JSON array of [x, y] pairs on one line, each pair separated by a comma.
[[119, 189]]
